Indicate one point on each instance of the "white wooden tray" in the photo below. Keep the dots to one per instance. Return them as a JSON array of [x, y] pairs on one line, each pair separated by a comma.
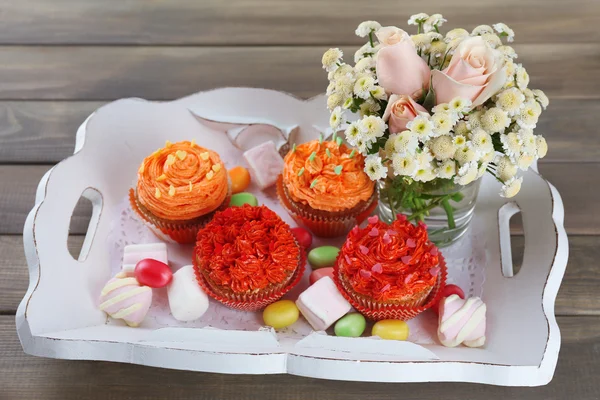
[[58, 317]]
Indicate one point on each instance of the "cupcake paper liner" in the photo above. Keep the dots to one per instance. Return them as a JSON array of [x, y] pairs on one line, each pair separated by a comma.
[[322, 223]]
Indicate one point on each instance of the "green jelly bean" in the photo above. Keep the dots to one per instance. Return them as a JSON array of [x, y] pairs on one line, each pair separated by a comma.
[[324, 256], [239, 199], [350, 325]]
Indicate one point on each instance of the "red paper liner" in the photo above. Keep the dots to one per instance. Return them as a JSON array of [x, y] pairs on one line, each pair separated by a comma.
[[377, 311], [254, 301], [322, 223]]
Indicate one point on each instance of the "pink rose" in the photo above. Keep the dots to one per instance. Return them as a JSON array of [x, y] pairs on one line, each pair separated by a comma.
[[475, 72], [400, 110], [400, 69]]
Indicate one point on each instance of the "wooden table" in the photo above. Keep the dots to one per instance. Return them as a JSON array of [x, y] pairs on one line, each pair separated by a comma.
[[61, 59]]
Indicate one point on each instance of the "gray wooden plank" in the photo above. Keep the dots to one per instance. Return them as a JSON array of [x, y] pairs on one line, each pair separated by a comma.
[[255, 22], [27, 377], [44, 131], [162, 73]]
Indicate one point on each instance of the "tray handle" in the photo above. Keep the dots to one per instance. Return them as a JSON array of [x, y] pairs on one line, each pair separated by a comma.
[[95, 198], [505, 213]]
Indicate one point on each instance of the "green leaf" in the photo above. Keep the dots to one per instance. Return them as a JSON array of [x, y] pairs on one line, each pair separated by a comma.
[[429, 101]]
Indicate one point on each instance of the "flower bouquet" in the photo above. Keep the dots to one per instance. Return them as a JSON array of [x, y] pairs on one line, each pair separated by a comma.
[[435, 113]]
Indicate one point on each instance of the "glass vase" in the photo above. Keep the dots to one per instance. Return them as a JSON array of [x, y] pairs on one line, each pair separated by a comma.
[[445, 207]]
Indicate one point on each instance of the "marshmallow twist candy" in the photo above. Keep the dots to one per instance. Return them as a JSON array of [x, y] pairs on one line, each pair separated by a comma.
[[462, 321]]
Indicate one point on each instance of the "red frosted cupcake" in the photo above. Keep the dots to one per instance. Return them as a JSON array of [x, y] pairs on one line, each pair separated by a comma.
[[390, 271], [247, 257]]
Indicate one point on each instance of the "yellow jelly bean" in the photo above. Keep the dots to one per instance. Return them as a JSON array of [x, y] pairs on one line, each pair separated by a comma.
[[280, 314], [391, 329], [240, 179]]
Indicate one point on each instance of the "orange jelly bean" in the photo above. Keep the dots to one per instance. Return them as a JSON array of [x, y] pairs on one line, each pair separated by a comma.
[[240, 179]]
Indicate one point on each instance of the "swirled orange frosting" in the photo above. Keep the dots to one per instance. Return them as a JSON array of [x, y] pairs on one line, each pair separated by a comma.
[[247, 249], [389, 262], [311, 177], [182, 181]]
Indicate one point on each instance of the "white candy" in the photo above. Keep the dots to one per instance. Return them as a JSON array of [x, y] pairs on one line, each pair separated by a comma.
[[186, 299], [135, 253], [265, 163], [322, 304]]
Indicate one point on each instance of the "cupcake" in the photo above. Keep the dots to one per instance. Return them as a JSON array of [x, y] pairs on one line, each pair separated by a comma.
[[247, 257], [179, 188], [390, 271], [323, 187]]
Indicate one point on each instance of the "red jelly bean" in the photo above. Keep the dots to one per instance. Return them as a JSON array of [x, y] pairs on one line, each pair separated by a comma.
[[320, 273], [153, 273], [303, 237], [447, 291]]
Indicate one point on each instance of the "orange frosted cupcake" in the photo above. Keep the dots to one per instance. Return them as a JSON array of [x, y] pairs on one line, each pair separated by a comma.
[[323, 187], [247, 257], [178, 189], [390, 271]]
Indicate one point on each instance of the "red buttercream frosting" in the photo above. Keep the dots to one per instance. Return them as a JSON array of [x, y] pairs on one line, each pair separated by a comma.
[[247, 249], [389, 262]]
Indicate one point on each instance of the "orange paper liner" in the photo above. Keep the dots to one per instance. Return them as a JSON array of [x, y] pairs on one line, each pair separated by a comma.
[[254, 301], [322, 223], [377, 311]]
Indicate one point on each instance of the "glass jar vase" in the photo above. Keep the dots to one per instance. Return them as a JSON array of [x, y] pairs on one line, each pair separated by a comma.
[[445, 207]]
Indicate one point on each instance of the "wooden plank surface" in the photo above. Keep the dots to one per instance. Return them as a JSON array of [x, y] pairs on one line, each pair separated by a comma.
[[577, 296], [163, 73], [27, 377], [44, 131], [250, 22]]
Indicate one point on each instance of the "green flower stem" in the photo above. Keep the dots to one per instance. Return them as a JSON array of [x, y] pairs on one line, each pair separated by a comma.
[[392, 207], [449, 212], [371, 38]]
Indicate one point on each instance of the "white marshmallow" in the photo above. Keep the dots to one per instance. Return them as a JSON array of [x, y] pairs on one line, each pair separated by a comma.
[[135, 253], [186, 298], [322, 304], [265, 163]]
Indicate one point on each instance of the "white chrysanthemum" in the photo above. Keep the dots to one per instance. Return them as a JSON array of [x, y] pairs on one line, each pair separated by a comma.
[[505, 169], [437, 48], [374, 167], [504, 30], [418, 19], [511, 143], [452, 45], [510, 100], [529, 96], [334, 100], [390, 145], [494, 120], [492, 39], [365, 64], [541, 146], [404, 165], [528, 116], [507, 51], [441, 107], [336, 118], [421, 126], [482, 30], [330, 88], [435, 36], [457, 33], [363, 146], [433, 22], [511, 187], [446, 170], [366, 27], [425, 173], [488, 157], [465, 154], [331, 58], [482, 142], [461, 128], [379, 93], [353, 133], [443, 147], [541, 98], [524, 161], [369, 107], [365, 51], [528, 144], [348, 103], [405, 142], [521, 77], [459, 141], [424, 157], [372, 127], [466, 174], [442, 123], [344, 85], [422, 41], [511, 69], [460, 105], [363, 86]]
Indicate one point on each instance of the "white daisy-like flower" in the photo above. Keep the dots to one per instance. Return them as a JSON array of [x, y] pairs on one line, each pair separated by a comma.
[[403, 165], [510, 100], [331, 58], [441, 107], [406, 142], [541, 146], [344, 85], [330, 88], [366, 27], [374, 167], [363, 86], [365, 51], [488, 157], [372, 127], [492, 39], [446, 170], [433, 22], [466, 174], [435, 36], [459, 141], [482, 30], [422, 41], [511, 143], [529, 96], [363, 146], [379, 93], [505, 168], [437, 48], [507, 51], [336, 118], [424, 157], [521, 77], [334, 100], [425, 173], [390, 145], [457, 33], [418, 19], [528, 141], [541, 98], [421, 126], [524, 161], [369, 107], [460, 105], [511, 69], [461, 128], [495, 120], [442, 123], [528, 116], [481, 141], [504, 30], [348, 103], [511, 187], [365, 64], [443, 147], [465, 154], [353, 133]]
